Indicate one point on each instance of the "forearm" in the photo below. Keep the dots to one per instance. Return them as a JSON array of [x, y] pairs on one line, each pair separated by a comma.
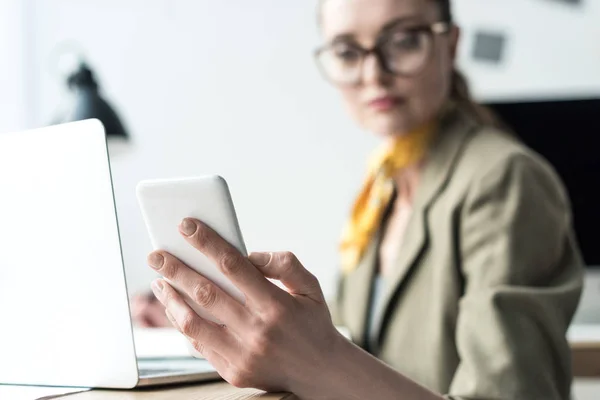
[[355, 374]]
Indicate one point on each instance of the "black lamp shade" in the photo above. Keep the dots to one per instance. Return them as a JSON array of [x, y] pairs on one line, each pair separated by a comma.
[[88, 103]]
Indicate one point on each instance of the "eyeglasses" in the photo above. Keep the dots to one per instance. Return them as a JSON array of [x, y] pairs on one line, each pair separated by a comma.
[[401, 52]]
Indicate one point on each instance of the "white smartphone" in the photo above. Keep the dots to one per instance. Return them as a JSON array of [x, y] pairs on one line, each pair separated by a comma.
[[166, 202]]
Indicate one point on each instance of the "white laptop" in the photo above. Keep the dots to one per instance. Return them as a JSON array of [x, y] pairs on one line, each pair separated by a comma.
[[64, 311]]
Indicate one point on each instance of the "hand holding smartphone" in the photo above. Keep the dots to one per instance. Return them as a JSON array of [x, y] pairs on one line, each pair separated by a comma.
[[166, 202]]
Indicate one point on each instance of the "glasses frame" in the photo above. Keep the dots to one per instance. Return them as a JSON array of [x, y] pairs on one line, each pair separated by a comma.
[[434, 29]]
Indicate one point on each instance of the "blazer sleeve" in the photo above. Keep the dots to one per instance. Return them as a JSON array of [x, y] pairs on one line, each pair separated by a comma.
[[523, 278]]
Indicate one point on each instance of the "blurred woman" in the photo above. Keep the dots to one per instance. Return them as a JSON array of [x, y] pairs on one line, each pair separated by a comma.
[[460, 269]]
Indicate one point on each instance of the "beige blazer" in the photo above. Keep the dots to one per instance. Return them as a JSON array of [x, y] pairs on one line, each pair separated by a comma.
[[486, 280]]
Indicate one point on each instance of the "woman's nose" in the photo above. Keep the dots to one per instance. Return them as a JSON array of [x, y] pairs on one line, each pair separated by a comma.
[[373, 72]]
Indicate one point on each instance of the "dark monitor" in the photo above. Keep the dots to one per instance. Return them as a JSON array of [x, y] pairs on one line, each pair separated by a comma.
[[567, 133]]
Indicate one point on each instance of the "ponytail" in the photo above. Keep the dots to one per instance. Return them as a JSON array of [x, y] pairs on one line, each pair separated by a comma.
[[459, 91], [461, 95]]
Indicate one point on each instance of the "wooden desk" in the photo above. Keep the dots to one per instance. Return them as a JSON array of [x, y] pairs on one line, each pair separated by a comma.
[[206, 391], [585, 350], [585, 357]]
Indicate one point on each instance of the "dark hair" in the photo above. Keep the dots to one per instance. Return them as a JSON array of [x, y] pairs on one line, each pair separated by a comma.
[[445, 10], [459, 90]]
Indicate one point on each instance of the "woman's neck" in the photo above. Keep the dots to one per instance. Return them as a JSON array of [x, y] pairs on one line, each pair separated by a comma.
[[406, 181]]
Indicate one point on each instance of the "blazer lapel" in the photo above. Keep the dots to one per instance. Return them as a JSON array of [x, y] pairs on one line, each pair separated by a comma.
[[454, 131]]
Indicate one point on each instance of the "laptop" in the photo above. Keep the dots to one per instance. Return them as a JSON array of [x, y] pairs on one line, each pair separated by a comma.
[[64, 308]]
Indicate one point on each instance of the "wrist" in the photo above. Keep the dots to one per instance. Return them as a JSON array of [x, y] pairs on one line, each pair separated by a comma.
[[350, 373], [335, 376]]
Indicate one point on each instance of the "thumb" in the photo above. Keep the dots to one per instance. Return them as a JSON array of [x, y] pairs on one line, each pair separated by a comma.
[[285, 267]]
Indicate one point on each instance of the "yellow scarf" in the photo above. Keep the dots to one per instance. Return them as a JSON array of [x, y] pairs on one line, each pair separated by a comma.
[[378, 190]]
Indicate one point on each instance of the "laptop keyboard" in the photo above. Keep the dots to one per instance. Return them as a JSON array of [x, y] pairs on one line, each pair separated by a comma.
[[153, 372], [156, 368]]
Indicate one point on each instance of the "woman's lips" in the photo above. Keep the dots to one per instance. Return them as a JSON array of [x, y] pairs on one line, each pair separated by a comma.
[[384, 103]]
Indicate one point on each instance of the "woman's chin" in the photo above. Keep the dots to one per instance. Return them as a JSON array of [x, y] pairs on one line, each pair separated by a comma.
[[389, 128]]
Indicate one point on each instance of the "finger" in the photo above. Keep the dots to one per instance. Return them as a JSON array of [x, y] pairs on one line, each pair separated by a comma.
[[210, 335], [285, 267], [229, 260], [138, 311], [202, 291], [156, 316], [216, 360], [149, 297], [171, 319], [143, 322], [147, 312]]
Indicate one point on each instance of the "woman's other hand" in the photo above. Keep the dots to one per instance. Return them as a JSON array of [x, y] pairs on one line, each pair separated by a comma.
[[279, 340], [148, 312]]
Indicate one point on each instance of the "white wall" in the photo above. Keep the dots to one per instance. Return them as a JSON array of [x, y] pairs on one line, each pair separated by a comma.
[[552, 48], [223, 87], [586, 389], [230, 87], [13, 87]]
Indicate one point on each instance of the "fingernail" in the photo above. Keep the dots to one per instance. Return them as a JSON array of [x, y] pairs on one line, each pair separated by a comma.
[[156, 260], [188, 227], [158, 286], [260, 259]]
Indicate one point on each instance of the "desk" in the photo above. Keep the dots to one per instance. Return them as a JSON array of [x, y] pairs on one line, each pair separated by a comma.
[[585, 350], [206, 391], [585, 357]]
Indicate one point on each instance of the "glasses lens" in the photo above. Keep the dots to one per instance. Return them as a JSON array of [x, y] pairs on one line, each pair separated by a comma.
[[341, 63], [407, 52]]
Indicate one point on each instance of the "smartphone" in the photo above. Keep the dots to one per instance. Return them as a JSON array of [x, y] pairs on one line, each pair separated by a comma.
[[164, 203]]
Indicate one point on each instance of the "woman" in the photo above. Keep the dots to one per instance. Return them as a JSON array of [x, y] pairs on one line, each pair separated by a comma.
[[460, 270]]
